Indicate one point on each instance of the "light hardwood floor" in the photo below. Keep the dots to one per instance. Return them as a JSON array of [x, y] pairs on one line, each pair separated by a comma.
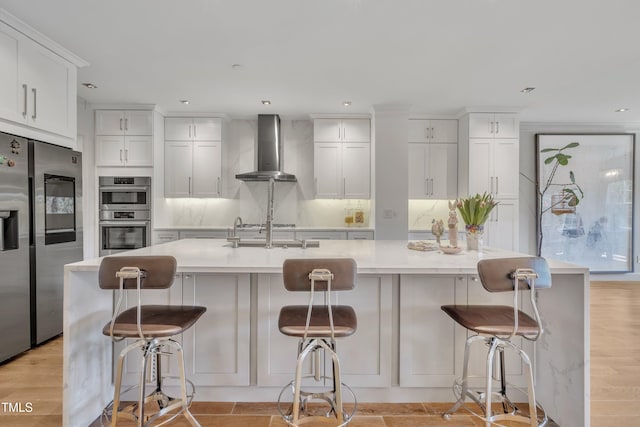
[[36, 378]]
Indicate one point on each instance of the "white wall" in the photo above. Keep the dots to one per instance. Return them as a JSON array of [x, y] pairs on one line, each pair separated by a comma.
[[528, 178], [390, 169]]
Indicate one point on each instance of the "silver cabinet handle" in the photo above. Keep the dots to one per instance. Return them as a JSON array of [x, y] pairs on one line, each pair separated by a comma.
[[126, 155], [126, 124], [339, 133], [432, 186], [24, 111], [344, 187], [189, 185], [218, 186], [432, 133], [195, 131], [120, 155], [491, 189], [426, 133], [189, 131], [497, 211], [426, 186], [35, 101], [121, 124], [490, 127], [497, 191], [497, 128]]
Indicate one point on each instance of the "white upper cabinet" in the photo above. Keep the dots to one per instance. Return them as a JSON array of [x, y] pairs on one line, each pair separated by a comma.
[[342, 158], [433, 171], [493, 167], [131, 122], [193, 157], [493, 125], [124, 138], [192, 129], [342, 130], [436, 130], [37, 86]]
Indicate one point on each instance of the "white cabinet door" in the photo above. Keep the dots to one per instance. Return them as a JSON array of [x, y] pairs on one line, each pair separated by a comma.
[[138, 150], [327, 130], [442, 171], [327, 169], [356, 130], [493, 125], [355, 170], [418, 183], [444, 131], [11, 92], [178, 129], [506, 165], [361, 367], [480, 161], [109, 150], [207, 168], [481, 125], [177, 168], [109, 122], [419, 130], [506, 126], [502, 226], [48, 78], [217, 345], [138, 122], [427, 335], [207, 129]]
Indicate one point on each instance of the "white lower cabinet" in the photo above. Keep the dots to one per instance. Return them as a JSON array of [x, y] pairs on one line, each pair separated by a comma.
[[365, 357], [432, 344], [428, 336], [217, 346]]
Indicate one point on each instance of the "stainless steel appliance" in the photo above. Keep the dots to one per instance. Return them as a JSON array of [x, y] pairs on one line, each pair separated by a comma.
[[55, 177], [125, 214], [40, 231]]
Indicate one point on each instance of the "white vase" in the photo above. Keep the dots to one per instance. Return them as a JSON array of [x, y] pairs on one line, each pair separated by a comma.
[[475, 235]]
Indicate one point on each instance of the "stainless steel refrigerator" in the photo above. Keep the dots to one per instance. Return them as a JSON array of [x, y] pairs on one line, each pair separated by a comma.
[[40, 232]]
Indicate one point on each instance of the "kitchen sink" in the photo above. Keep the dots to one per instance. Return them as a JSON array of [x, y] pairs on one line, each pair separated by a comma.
[[237, 242]]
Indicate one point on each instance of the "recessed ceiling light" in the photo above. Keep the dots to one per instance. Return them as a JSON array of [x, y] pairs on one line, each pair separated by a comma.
[[89, 85], [266, 102], [185, 101], [621, 110], [236, 67], [346, 103], [528, 90]]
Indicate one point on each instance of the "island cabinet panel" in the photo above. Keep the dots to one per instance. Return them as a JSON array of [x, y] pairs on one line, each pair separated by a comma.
[[131, 373], [476, 294], [365, 357], [428, 337], [218, 344]]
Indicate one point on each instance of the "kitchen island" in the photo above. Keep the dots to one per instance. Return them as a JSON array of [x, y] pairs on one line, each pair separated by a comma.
[[405, 348]]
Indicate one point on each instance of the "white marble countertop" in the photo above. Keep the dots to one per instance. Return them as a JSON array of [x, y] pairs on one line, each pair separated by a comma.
[[372, 257]]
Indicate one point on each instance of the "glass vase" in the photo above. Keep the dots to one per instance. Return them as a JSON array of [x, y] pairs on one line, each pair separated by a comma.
[[475, 234]]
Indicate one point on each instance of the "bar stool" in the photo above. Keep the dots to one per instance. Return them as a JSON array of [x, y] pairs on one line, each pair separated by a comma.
[[153, 327], [318, 326], [496, 326]]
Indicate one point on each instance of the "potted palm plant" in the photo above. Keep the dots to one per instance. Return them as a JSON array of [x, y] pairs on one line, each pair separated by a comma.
[[475, 211]]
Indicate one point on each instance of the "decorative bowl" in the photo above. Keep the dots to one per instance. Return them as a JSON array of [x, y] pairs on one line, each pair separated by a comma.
[[451, 250]]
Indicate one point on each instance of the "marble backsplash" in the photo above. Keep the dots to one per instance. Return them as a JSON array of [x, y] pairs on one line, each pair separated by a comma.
[[422, 212]]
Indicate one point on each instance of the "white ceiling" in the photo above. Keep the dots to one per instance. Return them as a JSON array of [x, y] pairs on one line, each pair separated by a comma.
[[438, 56]]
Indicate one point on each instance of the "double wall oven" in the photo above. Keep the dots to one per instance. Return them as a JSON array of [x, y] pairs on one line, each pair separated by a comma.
[[125, 213]]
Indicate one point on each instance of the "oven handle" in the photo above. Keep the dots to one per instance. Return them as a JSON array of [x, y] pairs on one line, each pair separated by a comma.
[[124, 188], [125, 223]]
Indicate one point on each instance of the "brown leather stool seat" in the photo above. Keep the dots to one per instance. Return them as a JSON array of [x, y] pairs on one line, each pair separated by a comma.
[[292, 321], [317, 326], [496, 326], [157, 321], [491, 319], [152, 328]]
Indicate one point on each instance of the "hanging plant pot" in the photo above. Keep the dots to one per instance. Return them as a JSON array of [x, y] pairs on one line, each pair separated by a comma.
[[563, 202]]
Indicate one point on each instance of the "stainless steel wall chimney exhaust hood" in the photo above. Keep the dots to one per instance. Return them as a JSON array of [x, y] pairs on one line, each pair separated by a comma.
[[269, 152]]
